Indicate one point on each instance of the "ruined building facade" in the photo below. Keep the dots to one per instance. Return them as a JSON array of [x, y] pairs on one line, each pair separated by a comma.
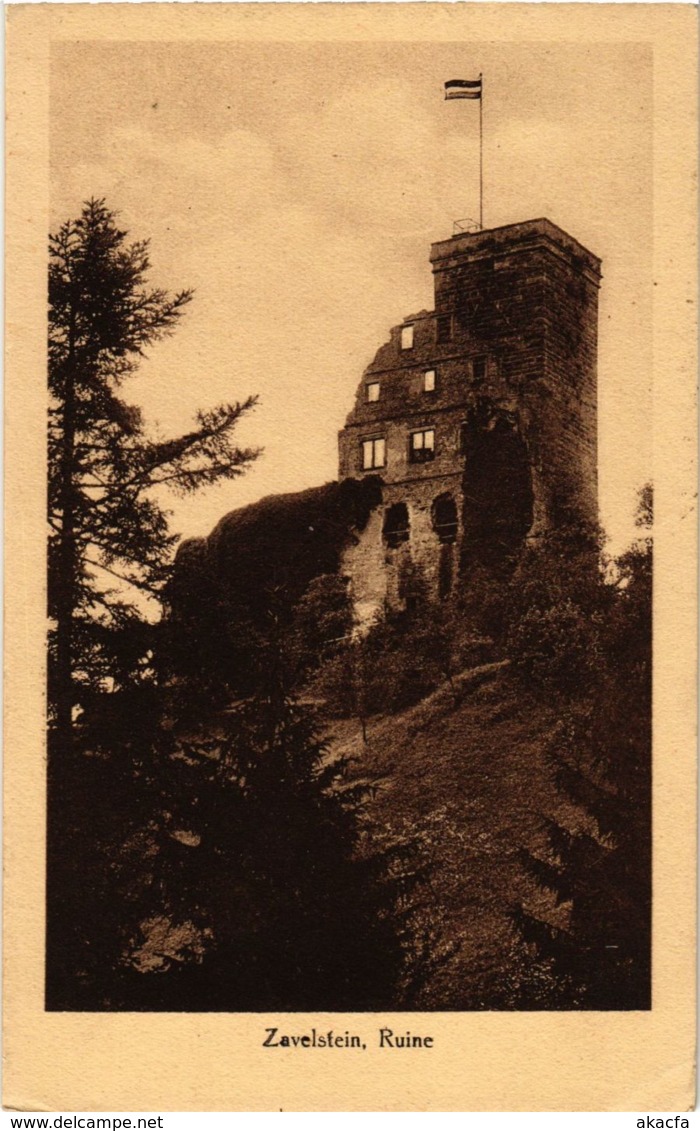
[[479, 417]]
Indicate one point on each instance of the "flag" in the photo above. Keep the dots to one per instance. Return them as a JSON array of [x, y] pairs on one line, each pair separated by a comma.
[[463, 88]]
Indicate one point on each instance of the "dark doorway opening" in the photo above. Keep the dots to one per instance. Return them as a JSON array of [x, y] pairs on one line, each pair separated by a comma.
[[497, 489]]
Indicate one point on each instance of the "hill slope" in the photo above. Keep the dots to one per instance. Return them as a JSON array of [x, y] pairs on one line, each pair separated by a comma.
[[469, 780]]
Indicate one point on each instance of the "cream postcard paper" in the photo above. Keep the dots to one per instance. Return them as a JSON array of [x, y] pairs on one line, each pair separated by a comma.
[[341, 772]]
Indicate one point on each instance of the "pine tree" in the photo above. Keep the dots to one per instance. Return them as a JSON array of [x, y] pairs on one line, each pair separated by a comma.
[[109, 553], [597, 956], [109, 544]]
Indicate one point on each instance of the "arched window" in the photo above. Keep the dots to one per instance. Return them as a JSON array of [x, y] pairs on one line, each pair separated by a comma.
[[397, 525], [444, 515]]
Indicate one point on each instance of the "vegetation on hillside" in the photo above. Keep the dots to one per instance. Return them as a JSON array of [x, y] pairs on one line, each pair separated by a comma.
[[579, 641]]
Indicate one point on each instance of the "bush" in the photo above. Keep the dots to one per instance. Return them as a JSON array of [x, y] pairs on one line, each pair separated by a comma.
[[322, 622], [557, 647]]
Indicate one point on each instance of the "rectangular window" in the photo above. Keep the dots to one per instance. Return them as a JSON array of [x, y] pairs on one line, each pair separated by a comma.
[[479, 368], [443, 327], [406, 337], [422, 446], [429, 381], [373, 391], [373, 453]]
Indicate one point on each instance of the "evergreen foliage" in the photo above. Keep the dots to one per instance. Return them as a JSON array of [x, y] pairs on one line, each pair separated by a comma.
[[243, 877], [109, 543], [109, 554], [598, 868], [262, 851]]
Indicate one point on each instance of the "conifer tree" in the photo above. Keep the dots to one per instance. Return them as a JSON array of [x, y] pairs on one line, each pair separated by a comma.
[[598, 867], [109, 552], [109, 541]]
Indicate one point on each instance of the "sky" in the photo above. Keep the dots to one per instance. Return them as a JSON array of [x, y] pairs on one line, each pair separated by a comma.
[[297, 188]]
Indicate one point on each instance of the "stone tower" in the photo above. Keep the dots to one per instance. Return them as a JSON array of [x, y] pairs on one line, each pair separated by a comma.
[[479, 416]]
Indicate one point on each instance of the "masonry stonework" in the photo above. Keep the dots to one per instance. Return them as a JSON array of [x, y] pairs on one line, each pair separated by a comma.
[[479, 416]]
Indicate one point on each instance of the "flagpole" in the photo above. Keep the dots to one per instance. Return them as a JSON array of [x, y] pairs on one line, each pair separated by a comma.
[[472, 88], [481, 151]]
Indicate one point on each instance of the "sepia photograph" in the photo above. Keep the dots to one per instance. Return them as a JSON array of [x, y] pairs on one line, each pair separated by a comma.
[[381, 741], [348, 423]]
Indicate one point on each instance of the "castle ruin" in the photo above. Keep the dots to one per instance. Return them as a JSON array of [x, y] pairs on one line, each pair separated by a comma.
[[479, 417]]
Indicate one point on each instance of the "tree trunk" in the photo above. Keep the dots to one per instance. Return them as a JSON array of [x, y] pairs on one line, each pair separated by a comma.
[[66, 566], [60, 867]]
